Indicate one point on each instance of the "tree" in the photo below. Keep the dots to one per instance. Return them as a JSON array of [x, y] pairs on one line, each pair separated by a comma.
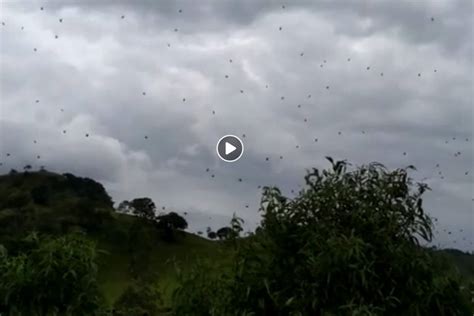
[[27, 167], [224, 232], [170, 222], [349, 244], [52, 276], [142, 207], [211, 235]]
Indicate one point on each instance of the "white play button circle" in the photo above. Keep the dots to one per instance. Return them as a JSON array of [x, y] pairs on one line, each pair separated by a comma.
[[229, 148]]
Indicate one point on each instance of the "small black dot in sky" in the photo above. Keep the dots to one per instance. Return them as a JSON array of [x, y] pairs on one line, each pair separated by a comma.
[[280, 28], [348, 59], [34, 49], [227, 76], [123, 16], [266, 158], [179, 11], [419, 75], [60, 20], [184, 99], [282, 98], [432, 19], [176, 30], [368, 67], [241, 91], [87, 135], [55, 36], [143, 93], [41, 8], [301, 54], [381, 74], [212, 176], [315, 140]]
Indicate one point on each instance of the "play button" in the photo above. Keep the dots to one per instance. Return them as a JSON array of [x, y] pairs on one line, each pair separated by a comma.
[[230, 148]]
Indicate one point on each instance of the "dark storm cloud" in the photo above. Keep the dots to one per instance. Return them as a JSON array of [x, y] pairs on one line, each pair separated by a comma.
[[154, 101]]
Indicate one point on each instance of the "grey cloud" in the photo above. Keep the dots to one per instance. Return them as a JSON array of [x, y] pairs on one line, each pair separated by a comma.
[[99, 67]]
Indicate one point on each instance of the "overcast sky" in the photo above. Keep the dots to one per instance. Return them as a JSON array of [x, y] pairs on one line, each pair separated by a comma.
[[155, 84]]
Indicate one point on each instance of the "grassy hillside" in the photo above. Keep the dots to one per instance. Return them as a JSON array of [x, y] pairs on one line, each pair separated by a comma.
[[57, 204], [114, 264]]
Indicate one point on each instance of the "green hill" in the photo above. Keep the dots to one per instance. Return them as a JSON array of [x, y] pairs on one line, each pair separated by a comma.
[[57, 204]]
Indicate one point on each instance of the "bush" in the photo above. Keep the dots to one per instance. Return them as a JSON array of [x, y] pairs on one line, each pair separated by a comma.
[[50, 276], [348, 244]]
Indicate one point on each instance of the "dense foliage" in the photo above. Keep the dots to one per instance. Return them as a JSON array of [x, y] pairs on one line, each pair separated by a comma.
[[51, 203], [348, 244], [50, 276]]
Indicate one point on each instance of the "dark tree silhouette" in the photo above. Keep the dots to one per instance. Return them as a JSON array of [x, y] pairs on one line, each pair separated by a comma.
[[142, 207]]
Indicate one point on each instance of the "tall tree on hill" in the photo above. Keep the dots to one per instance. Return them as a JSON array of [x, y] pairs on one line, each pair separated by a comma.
[[169, 223], [142, 207]]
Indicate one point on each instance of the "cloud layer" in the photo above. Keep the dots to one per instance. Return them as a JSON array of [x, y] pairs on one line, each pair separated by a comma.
[[136, 94]]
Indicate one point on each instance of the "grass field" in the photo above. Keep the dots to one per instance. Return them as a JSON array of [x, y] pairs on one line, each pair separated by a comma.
[[114, 274]]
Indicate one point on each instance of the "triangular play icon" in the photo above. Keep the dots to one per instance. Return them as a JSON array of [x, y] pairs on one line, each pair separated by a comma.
[[229, 148]]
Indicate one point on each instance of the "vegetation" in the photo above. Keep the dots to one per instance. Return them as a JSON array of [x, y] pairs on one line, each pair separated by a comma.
[[50, 276], [351, 243]]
